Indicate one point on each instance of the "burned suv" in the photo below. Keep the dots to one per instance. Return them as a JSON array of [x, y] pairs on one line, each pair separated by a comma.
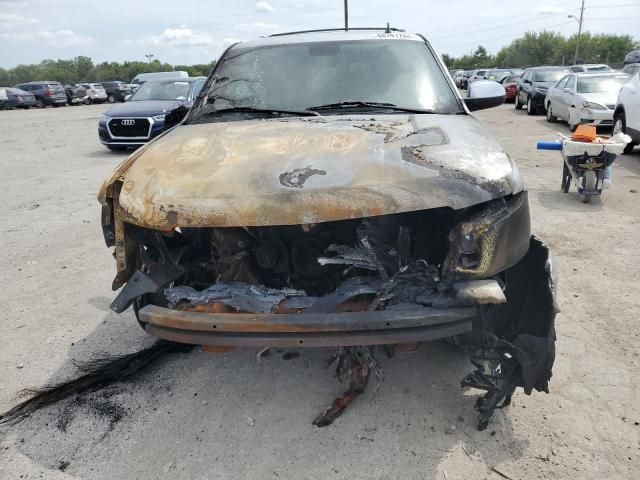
[[331, 189]]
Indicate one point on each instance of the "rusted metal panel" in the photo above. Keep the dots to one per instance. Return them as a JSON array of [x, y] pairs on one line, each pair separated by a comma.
[[390, 319], [316, 339], [292, 171]]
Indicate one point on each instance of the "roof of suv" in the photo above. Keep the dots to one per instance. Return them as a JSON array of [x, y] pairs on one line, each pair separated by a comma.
[[331, 36]]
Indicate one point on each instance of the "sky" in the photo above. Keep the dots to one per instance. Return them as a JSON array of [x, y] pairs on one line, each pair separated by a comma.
[[198, 31]]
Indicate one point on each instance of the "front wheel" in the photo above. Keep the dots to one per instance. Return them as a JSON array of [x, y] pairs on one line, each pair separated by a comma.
[[111, 99], [551, 118], [531, 109], [589, 180], [620, 126], [517, 103]]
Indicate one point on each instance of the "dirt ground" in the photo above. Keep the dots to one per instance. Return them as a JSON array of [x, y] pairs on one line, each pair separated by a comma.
[[230, 416]]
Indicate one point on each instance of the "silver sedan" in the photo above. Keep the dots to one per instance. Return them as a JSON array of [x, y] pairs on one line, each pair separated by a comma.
[[580, 98]]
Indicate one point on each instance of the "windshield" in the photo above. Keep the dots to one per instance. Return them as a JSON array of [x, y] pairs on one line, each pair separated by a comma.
[[601, 84], [550, 76], [162, 90], [296, 77]]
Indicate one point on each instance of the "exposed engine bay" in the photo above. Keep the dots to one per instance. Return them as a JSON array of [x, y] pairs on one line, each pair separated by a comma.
[[434, 260]]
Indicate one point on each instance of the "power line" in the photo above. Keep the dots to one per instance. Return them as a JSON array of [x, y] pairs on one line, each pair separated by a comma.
[[497, 27], [518, 15], [501, 37], [614, 6], [610, 18]]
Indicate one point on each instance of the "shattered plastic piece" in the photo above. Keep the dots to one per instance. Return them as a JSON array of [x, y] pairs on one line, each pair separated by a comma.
[[479, 292], [351, 288], [356, 257]]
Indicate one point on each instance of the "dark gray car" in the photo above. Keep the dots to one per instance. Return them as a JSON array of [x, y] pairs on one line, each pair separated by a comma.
[[45, 93], [532, 87]]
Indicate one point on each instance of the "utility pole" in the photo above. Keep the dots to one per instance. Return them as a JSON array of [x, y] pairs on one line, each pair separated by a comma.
[[575, 59], [346, 15]]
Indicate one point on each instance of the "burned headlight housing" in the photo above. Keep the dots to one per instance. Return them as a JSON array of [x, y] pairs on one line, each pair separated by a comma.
[[490, 240]]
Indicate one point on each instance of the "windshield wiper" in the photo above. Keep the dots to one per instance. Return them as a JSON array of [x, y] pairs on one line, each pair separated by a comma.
[[382, 105], [306, 113]]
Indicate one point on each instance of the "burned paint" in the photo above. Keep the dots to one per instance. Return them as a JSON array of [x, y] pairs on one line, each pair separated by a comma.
[[229, 173], [297, 177]]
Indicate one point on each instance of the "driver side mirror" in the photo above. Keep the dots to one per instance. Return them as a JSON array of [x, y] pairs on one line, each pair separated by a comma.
[[127, 97], [526, 81], [484, 94]]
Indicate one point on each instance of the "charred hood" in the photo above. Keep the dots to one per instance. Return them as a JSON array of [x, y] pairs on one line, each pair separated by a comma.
[[309, 170]]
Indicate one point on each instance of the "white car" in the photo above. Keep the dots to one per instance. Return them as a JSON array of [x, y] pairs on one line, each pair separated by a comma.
[[584, 98], [627, 112], [477, 75], [4, 99], [459, 78], [95, 92]]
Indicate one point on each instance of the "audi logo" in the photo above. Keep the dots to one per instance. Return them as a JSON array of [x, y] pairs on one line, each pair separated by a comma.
[[128, 123]]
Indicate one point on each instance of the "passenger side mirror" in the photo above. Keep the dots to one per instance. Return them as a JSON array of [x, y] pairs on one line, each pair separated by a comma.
[[484, 94], [127, 97], [526, 81]]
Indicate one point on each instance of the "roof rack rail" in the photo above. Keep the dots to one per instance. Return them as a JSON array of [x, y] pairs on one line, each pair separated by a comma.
[[386, 29]]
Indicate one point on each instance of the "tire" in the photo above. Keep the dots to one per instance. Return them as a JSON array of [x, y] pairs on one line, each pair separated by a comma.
[[531, 109], [551, 118], [516, 103], [111, 99], [573, 126], [589, 181], [39, 104], [620, 126]]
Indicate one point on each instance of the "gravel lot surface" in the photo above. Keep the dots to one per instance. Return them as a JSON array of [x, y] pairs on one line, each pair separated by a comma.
[[228, 416]]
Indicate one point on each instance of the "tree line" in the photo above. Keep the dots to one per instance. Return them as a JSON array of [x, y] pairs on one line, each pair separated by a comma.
[[82, 69], [549, 48]]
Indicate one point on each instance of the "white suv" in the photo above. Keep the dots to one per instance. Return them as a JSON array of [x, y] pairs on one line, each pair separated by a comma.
[[626, 117]]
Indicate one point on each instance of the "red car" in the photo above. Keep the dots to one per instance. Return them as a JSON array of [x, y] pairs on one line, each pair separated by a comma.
[[509, 84]]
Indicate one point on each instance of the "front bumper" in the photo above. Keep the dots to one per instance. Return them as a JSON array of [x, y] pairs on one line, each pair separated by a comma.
[[538, 100], [595, 117], [399, 325]]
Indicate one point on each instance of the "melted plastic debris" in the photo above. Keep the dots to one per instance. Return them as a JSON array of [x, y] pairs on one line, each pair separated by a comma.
[[241, 296]]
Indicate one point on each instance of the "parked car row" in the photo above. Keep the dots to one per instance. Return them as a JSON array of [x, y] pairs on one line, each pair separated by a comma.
[[592, 94], [463, 78], [49, 93]]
